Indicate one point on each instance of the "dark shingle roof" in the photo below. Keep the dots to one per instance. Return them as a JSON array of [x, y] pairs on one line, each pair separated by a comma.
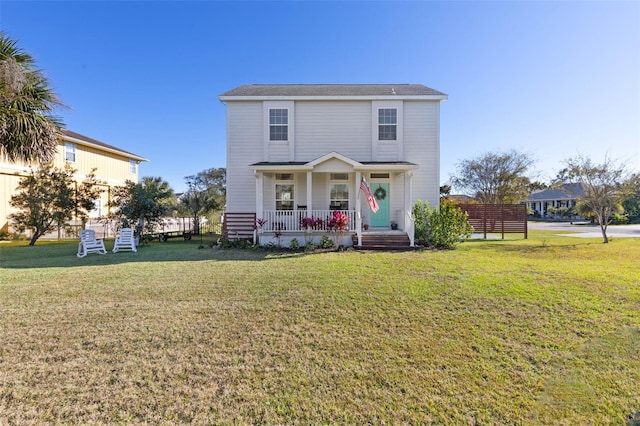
[[568, 191], [91, 141], [331, 90]]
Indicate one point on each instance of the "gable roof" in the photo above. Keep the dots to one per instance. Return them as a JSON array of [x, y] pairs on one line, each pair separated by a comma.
[[85, 140], [332, 91], [567, 191], [310, 165]]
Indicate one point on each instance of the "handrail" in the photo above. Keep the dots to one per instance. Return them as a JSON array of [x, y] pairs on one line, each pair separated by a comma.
[[411, 228]]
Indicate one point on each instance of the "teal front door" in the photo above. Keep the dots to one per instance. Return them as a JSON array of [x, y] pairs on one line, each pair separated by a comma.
[[381, 194]]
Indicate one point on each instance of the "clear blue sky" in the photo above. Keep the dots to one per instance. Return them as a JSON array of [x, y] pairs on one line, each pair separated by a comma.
[[553, 79]]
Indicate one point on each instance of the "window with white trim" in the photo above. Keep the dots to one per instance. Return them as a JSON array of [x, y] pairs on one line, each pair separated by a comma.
[[339, 191], [278, 124], [284, 191], [133, 167], [387, 124], [70, 152]]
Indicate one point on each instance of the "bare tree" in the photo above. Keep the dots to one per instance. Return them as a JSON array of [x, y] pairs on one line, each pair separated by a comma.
[[605, 186], [495, 178]]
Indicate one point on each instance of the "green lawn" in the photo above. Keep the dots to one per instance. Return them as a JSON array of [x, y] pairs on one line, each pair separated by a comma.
[[538, 331]]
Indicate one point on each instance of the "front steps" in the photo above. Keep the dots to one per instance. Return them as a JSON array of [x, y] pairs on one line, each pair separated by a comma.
[[383, 240]]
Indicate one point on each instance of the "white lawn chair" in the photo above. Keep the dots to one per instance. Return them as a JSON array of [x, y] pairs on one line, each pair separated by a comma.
[[125, 241], [89, 244]]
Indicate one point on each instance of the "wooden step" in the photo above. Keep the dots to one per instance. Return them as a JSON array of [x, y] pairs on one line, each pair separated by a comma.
[[383, 241]]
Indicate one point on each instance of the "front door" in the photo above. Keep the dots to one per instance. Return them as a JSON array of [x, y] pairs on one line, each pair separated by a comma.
[[381, 193]]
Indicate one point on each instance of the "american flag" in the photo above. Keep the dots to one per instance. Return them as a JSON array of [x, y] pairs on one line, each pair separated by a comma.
[[364, 186]]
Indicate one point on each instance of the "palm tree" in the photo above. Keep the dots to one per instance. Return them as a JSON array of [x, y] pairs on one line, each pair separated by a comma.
[[28, 129]]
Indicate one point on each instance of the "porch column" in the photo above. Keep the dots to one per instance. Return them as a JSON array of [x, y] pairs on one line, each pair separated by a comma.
[[259, 194], [358, 209], [259, 200], [408, 199], [309, 194]]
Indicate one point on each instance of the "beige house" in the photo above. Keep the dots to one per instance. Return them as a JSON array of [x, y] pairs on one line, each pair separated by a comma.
[[113, 167]]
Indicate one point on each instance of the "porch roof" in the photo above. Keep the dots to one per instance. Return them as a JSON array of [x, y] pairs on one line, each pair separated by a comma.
[[264, 166]]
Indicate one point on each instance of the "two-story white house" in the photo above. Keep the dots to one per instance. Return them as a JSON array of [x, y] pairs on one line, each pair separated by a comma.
[[301, 151]]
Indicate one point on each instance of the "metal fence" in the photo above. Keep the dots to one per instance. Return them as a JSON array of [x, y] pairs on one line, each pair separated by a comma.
[[107, 229]]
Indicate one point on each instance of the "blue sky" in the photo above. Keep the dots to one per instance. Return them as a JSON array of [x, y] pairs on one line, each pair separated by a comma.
[[552, 79]]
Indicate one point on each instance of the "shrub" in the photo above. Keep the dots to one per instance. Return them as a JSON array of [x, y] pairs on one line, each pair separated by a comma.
[[326, 242], [448, 226], [294, 244], [421, 213], [441, 228]]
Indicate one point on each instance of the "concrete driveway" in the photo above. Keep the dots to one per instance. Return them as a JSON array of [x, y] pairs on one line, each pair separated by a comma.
[[585, 230]]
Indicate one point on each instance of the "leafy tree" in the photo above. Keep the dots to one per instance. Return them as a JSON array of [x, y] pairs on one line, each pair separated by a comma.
[[632, 204], [49, 197], [142, 205], [536, 186], [205, 194], [28, 129], [605, 187], [445, 191], [494, 178]]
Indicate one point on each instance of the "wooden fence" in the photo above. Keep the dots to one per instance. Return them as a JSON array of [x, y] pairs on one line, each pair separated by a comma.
[[497, 218], [238, 226]]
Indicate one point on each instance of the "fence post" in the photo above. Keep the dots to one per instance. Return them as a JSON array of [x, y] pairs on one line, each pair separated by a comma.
[[502, 219], [484, 221]]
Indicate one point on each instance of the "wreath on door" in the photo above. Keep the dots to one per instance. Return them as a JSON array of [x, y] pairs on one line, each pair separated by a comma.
[[380, 193]]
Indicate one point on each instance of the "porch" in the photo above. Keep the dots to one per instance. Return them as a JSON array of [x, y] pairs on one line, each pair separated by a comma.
[[302, 220]]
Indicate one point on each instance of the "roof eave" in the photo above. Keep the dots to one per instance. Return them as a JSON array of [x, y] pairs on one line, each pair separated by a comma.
[[104, 148], [336, 98]]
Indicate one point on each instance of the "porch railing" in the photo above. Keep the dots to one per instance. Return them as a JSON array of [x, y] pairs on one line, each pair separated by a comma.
[[292, 220]]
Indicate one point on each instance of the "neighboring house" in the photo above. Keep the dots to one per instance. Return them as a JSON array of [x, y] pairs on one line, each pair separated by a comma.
[[113, 167], [563, 197], [301, 151]]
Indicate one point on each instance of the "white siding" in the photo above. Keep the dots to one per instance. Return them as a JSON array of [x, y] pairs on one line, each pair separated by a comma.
[[244, 147], [422, 146], [343, 127], [278, 152], [324, 126], [319, 184], [387, 151]]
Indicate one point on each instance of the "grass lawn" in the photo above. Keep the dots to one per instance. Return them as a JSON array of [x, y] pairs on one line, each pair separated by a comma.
[[537, 331]]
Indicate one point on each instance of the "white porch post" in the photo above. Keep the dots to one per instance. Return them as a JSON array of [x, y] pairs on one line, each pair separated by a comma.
[[259, 198], [309, 194], [358, 213], [408, 200]]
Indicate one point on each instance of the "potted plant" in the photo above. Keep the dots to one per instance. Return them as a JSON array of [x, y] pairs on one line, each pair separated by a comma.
[[365, 226], [394, 226]]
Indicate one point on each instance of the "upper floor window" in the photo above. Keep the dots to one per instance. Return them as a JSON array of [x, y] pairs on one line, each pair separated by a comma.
[[70, 152], [133, 167], [279, 124], [387, 124]]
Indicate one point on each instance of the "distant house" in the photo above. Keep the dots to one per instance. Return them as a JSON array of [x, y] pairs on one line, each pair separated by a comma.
[[562, 197], [113, 167], [301, 151]]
